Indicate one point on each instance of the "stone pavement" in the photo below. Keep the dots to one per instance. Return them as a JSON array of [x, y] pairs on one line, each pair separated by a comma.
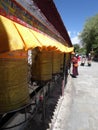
[[79, 106]]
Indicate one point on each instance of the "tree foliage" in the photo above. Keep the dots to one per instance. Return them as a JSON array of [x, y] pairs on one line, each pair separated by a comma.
[[89, 35], [76, 47], [79, 50]]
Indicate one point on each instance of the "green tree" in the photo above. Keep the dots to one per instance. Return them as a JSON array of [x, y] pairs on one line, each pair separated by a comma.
[[89, 35], [82, 51], [79, 50], [76, 48]]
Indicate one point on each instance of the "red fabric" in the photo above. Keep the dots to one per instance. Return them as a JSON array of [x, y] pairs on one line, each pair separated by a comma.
[[75, 69]]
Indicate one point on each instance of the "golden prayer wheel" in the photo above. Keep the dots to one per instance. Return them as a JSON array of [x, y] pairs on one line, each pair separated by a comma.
[[67, 59], [14, 92], [61, 60], [42, 66], [56, 62]]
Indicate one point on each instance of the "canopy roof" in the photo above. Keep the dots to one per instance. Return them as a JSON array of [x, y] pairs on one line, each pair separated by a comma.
[[14, 36], [50, 11]]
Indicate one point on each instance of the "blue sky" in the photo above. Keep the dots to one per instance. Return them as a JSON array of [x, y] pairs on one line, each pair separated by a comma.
[[74, 13]]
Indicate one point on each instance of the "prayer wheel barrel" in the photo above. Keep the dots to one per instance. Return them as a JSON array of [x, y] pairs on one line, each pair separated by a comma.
[[42, 65], [14, 92], [68, 59], [56, 62], [61, 61]]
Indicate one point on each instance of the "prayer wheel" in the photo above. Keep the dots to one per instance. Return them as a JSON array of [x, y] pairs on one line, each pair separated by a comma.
[[14, 92], [56, 62], [67, 59], [61, 61], [42, 65]]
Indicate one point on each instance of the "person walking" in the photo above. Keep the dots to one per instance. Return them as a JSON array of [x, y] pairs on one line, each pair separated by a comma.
[[83, 60], [74, 65], [89, 59]]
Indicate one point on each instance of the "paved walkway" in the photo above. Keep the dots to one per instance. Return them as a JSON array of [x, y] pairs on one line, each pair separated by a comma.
[[79, 108], [84, 110]]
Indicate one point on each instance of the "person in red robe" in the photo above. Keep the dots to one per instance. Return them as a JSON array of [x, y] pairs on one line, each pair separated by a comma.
[[74, 66]]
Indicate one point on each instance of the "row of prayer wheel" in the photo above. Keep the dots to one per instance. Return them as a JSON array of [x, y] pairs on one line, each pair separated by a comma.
[[45, 63], [14, 92]]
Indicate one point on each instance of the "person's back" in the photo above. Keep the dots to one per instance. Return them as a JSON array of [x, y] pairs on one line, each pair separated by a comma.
[[89, 59], [75, 66], [83, 59]]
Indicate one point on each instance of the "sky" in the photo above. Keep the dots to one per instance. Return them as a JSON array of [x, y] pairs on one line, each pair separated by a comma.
[[74, 14]]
